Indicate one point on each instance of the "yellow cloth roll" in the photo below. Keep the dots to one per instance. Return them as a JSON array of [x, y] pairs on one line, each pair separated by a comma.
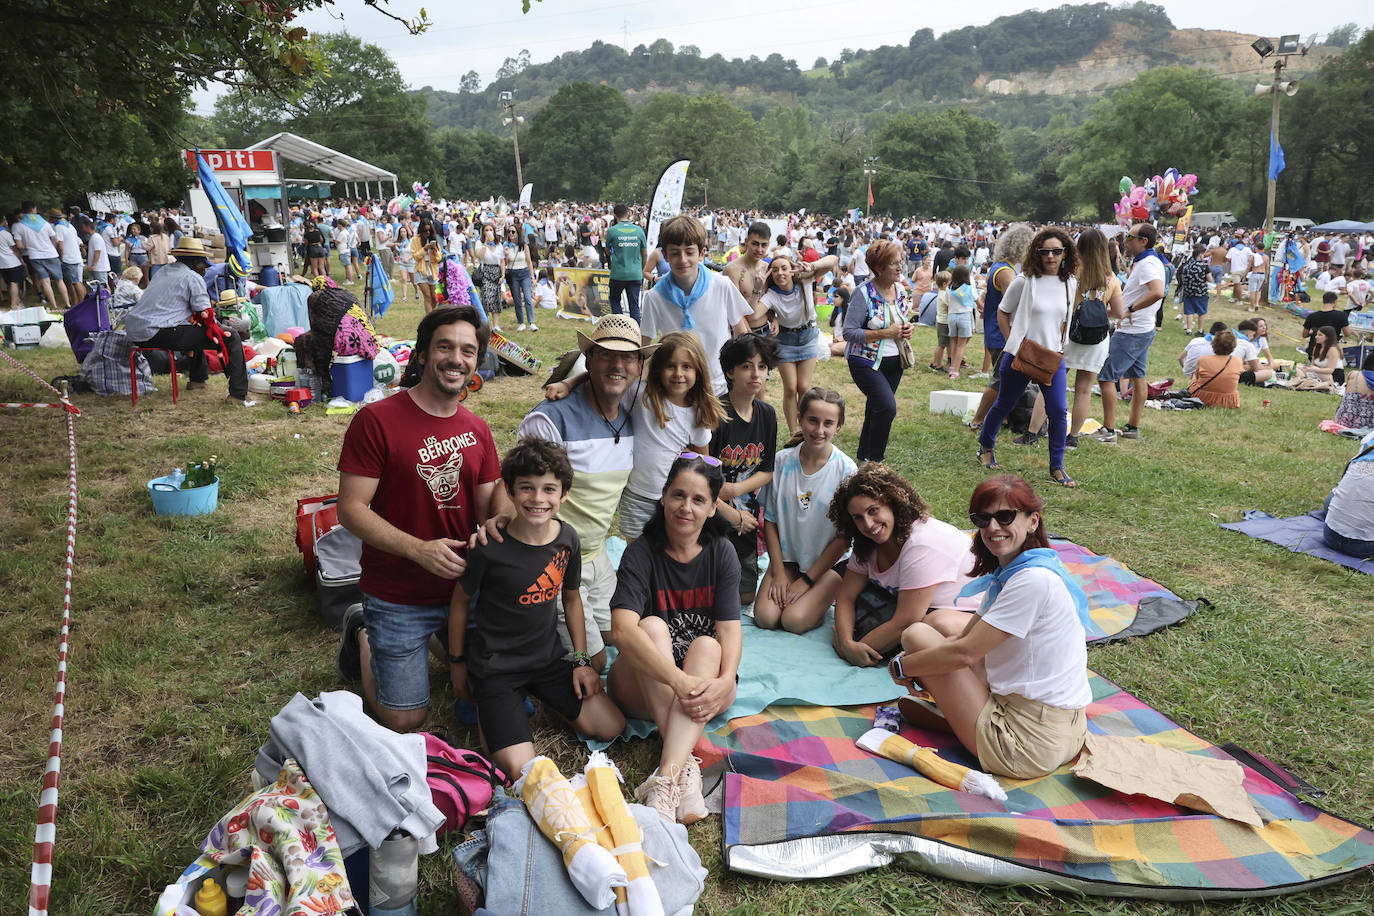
[[603, 785], [929, 764], [554, 806]]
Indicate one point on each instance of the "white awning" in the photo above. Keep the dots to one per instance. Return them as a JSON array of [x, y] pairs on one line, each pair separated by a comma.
[[331, 162]]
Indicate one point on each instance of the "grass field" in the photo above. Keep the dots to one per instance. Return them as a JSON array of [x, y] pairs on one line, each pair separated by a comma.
[[189, 634]]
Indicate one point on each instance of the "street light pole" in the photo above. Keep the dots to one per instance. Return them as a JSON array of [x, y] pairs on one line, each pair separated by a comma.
[[508, 102], [1273, 135]]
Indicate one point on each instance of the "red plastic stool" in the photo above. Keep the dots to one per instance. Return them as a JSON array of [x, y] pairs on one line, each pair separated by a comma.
[[133, 372]]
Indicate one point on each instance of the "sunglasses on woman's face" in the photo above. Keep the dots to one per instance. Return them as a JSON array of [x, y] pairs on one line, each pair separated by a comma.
[[713, 462], [1004, 517], [1051, 252]]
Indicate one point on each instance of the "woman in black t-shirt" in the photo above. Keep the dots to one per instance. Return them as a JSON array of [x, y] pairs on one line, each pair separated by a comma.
[[675, 622], [315, 250]]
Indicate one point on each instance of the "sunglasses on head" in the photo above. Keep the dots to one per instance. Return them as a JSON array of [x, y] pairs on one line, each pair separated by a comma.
[[1004, 517], [713, 462], [1051, 252]]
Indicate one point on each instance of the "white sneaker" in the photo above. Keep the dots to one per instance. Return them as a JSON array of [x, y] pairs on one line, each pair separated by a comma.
[[533, 326], [662, 794], [692, 806], [520, 327]]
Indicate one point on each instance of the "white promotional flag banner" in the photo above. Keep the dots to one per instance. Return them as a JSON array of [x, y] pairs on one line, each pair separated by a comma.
[[525, 193], [667, 201]]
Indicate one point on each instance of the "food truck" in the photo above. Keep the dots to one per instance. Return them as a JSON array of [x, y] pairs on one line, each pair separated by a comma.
[[253, 179]]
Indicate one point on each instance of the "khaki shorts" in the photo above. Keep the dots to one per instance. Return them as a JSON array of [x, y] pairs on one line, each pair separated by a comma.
[[598, 585], [1024, 738]]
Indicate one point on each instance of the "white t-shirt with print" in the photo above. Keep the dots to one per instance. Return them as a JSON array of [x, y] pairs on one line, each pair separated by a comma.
[[797, 503], [1046, 657]]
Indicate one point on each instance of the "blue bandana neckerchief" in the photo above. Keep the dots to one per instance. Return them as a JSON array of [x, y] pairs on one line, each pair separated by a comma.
[[1147, 253], [964, 294], [1036, 557], [33, 221], [685, 301]]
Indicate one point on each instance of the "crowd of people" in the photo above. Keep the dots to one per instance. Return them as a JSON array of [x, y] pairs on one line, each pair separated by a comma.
[[500, 564]]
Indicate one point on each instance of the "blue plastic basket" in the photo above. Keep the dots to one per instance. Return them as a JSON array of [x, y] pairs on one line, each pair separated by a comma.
[[168, 500]]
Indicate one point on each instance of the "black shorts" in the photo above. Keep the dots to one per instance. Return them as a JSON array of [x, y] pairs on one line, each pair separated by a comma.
[[13, 274], [501, 701], [317, 251]]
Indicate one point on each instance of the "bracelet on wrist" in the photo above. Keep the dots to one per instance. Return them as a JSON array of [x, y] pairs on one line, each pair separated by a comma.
[[806, 577], [457, 659]]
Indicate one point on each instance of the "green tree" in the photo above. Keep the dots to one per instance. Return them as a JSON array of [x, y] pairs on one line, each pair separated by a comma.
[[946, 164], [1170, 117], [571, 151], [355, 103], [832, 179], [474, 164], [1327, 131], [720, 139]]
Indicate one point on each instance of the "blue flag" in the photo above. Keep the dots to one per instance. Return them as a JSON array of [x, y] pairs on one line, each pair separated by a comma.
[[1276, 163], [382, 295], [231, 222]]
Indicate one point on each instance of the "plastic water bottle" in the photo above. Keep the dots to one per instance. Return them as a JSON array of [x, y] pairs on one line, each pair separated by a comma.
[[177, 477], [393, 876]]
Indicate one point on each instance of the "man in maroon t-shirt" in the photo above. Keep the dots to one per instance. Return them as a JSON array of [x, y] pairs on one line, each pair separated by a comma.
[[416, 476]]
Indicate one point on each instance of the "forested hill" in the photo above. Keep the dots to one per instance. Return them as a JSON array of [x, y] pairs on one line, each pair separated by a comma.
[[1018, 70]]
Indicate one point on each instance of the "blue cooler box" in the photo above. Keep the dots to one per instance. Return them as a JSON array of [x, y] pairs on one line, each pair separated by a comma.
[[352, 376]]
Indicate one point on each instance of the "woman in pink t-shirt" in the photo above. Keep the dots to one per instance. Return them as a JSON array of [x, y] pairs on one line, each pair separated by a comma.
[[903, 563]]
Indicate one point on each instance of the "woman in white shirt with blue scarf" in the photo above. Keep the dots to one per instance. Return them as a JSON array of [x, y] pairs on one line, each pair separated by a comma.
[[1011, 682], [873, 324]]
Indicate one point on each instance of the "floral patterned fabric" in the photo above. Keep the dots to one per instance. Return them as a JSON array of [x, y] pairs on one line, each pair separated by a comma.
[[356, 336], [283, 834]]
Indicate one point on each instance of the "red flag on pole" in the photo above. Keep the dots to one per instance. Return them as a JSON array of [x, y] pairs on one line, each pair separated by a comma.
[[870, 193]]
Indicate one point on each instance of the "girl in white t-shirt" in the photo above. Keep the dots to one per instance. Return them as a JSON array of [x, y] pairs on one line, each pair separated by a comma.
[[903, 563], [1012, 681], [674, 411], [804, 550]]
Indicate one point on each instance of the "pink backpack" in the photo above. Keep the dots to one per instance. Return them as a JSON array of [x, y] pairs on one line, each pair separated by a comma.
[[460, 781]]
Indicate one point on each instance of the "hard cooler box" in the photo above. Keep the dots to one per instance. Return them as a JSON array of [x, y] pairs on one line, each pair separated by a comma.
[[332, 556], [955, 402], [352, 377]]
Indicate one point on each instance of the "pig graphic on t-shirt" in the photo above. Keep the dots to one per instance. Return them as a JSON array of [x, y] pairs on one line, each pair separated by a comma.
[[443, 478]]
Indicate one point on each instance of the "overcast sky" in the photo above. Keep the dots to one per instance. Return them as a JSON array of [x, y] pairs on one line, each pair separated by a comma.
[[481, 36]]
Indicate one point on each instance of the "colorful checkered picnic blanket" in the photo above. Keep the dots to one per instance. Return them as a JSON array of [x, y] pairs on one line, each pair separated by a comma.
[[794, 774], [1121, 602]]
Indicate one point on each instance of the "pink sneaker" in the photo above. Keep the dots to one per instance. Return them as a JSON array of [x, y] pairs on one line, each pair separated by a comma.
[[692, 806]]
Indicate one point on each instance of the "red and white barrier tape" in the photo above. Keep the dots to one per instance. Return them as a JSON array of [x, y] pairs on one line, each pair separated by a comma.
[[45, 834], [65, 405]]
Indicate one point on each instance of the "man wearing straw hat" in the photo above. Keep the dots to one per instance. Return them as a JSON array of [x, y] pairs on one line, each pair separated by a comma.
[[163, 318], [598, 434]]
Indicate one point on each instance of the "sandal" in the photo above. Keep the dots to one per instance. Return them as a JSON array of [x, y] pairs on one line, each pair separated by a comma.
[[991, 464], [974, 425], [934, 368], [1061, 477]]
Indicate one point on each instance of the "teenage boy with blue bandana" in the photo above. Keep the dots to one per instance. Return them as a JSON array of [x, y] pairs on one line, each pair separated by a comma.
[[693, 299]]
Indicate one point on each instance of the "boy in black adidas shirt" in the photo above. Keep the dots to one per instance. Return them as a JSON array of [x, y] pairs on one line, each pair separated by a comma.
[[513, 648]]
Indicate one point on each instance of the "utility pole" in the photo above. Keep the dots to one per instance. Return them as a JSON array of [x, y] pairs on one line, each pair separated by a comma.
[[1288, 44], [508, 103], [1274, 133], [706, 194]]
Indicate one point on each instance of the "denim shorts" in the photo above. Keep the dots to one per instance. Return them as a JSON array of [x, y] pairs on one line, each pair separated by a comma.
[[961, 325], [798, 344], [47, 267], [398, 636], [71, 272], [1254, 281], [1195, 305], [1127, 356], [345, 256]]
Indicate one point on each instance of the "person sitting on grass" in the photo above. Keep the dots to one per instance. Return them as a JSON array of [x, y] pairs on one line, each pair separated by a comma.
[[1349, 523], [804, 550], [903, 563], [1011, 682], [513, 647], [675, 622], [1216, 378]]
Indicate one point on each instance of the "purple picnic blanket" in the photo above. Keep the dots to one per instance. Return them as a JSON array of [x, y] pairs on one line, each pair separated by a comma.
[[1298, 533]]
